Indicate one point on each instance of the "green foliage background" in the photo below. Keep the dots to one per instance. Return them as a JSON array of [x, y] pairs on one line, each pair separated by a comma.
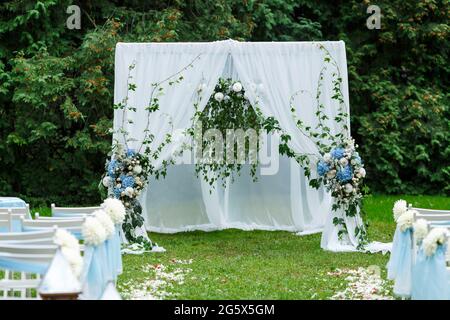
[[56, 84]]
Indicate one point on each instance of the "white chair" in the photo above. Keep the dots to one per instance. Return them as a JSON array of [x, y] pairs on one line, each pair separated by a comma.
[[33, 237], [14, 219], [25, 211], [431, 211], [37, 216], [5, 223], [16, 260], [72, 211], [73, 225]]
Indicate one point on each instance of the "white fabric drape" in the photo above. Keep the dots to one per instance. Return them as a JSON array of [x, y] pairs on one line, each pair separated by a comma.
[[271, 73]]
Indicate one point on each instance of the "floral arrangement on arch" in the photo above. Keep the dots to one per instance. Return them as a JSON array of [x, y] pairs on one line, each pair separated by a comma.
[[128, 170], [339, 166], [228, 108]]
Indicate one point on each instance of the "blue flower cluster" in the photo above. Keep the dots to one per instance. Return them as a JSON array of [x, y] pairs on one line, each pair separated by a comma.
[[130, 153], [357, 158], [345, 174], [112, 165], [127, 181], [337, 153], [322, 168]]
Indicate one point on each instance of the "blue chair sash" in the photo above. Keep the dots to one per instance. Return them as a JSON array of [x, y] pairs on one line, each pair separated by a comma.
[[23, 266], [114, 254], [400, 263], [94, 276], [430, 277]]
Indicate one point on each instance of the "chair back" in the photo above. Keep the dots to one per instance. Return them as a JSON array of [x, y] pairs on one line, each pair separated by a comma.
[[50, 223], [13, 218], [23, 210], [72, 211], [431, 211], [35, 237]]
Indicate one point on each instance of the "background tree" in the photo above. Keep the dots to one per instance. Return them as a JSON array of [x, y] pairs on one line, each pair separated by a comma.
[[56, 84]]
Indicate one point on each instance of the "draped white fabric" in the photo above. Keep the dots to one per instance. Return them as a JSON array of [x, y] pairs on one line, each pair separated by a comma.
[[270, 73]]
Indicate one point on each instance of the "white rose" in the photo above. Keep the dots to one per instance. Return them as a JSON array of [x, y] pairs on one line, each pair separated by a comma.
[[343, 161], [327, 157], [362, 172], [137, 169], [435, 237], [65, 239], [237, 87], [348, 188], [115, 209], [406, 220], [74, 259], [420, 229], [331, 174], [129, 191], [106, 221], [93, 231], [400, 207], [106, 181], [218, 96]]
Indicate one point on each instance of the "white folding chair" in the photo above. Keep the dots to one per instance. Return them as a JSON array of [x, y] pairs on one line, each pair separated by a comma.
[[72, 225], [33, 237], [431, 211], [72, 211], [17, 261], [25, 211], [37, 216], [14, 219]]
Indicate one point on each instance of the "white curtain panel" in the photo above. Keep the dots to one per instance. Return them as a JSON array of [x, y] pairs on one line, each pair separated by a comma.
[[270, 73]]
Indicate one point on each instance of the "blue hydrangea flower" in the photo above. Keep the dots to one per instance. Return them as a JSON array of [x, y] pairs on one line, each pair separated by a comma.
[[357, 158], [117, 192], [337, 153], [127, 181], [345, 174], [322, 168], [131, 153], [112, 165]]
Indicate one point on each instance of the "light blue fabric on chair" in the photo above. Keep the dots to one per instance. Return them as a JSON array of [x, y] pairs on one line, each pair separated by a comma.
[[430, 279], [22, 266], [67, 215], [76, 234], [114, 254], [95, 274], [400, 263], [12, 202]]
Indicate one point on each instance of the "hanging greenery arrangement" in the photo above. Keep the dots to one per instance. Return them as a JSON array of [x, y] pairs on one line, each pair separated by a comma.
[[228, 111]]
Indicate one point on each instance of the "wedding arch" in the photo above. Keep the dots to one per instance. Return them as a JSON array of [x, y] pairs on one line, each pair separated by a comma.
[[159, 87]]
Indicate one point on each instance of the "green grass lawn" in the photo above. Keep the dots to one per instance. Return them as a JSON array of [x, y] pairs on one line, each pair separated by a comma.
[[234, 264]]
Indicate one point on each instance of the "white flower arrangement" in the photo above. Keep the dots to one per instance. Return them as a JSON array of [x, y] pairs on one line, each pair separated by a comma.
[[219, 96], [437, 236], [70, 249], [93, 232], [75, 260], [237, 87], [106, 181], [406, 220], [105, 221], [65, 239], [420, 228], [400, 207], [115, 209]]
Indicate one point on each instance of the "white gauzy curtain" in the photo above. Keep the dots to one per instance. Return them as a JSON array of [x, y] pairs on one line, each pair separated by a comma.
[[270, 73]]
